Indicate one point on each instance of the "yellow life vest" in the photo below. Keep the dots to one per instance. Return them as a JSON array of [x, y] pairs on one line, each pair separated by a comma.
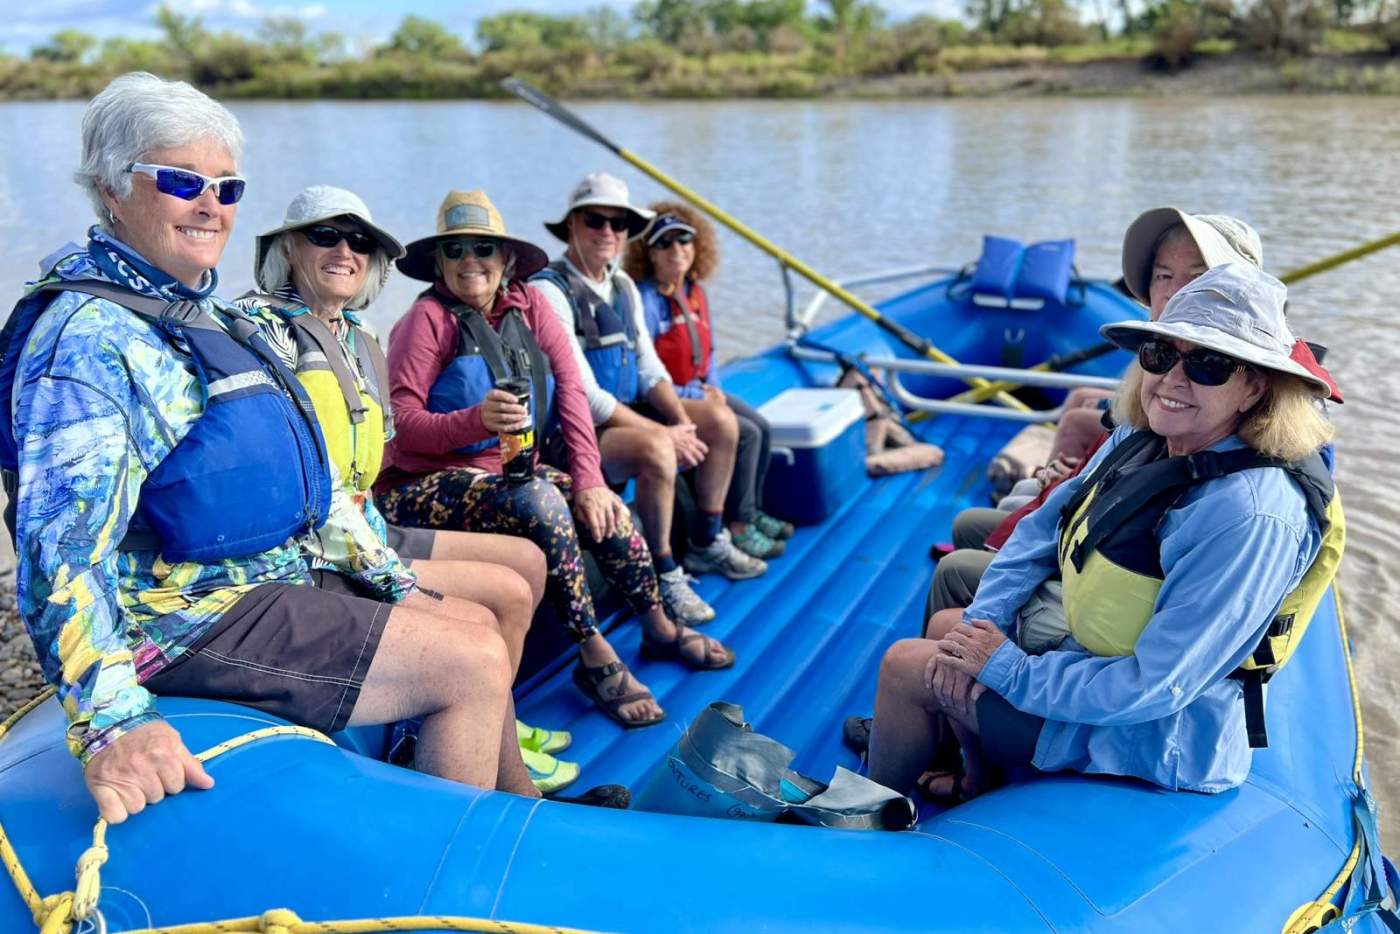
[[1110, 559], [347, 381]]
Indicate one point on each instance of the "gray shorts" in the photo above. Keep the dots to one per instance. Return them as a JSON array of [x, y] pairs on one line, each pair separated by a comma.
[[298, 652], [411, 544]]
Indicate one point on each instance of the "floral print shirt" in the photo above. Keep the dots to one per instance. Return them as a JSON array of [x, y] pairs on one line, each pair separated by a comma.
[[101, 397]]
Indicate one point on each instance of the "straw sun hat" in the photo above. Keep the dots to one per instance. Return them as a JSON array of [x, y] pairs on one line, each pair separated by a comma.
[[469, 214]]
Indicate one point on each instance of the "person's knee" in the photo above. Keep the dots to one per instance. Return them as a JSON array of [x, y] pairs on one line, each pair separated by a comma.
[[724, 426], [517, 603], [532, 565], [657, 457], [903, 660], [481, 660], [942, 623]]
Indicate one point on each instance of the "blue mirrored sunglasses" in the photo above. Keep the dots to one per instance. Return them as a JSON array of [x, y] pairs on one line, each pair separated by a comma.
[[187, 185]]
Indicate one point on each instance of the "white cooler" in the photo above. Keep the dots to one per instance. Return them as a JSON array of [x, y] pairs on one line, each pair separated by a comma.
[[818, 452]]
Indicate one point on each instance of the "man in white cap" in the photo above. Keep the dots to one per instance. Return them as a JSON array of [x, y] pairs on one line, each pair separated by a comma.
[[643, 430]]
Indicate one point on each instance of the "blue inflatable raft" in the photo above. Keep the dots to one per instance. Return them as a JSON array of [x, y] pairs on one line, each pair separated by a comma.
[[333, 832]]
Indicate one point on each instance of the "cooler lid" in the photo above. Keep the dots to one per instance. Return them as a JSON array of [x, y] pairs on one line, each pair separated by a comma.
[[811, 418]]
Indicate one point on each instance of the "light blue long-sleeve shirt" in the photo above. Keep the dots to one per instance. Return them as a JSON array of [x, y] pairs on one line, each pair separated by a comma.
[[1169, 713]]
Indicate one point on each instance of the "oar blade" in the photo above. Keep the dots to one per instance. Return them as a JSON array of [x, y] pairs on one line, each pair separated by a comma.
[[536, 98]]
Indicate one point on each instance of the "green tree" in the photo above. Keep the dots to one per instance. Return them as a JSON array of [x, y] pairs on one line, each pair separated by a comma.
[[184, 35], [288, 40], [990, 16], [607, 27], [850, 22], [670, 20], [68, 46], [121, 55], [417, 37], [523, 30], [1045, 22]]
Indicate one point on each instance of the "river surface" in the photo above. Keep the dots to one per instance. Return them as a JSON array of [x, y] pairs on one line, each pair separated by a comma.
[[858, 186]]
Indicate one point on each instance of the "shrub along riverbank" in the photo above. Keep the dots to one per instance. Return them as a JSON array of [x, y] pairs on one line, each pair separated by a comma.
[[766, 48]]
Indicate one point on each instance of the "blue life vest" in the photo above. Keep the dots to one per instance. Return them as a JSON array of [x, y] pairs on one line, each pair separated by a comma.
[[608, 334], [250, 474], [485, 355]]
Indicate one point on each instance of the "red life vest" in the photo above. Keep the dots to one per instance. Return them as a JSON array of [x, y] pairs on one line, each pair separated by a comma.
[[673, 345]]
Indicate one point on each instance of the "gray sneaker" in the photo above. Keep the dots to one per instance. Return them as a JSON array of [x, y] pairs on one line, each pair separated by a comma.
[[682, 604], [721, 557]]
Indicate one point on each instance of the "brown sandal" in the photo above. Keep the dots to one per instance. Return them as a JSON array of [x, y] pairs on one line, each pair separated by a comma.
[[672, 650], [589, 681]]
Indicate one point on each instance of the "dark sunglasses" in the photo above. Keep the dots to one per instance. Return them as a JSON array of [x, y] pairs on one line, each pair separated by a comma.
[[1203, 367], [665, 243], [326, 236], [595, 221], [187, 185], [456, 249]]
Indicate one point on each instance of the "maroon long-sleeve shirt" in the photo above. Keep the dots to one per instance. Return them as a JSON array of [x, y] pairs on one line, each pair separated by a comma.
[[424, 343]]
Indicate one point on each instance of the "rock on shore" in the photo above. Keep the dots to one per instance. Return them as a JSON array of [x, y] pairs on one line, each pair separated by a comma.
[[20, 679]]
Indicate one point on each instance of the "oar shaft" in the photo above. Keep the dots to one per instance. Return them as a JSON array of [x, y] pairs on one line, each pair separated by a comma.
[[807, 272], [1346, 256]]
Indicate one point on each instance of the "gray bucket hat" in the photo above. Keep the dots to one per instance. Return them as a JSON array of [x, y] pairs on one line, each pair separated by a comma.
[[606, 191], [1236, 309], [314, 204], [1220, 238]]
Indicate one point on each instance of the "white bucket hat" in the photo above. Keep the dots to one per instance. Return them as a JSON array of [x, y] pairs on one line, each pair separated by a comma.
[[314, 204], [1236, 309], [1220, 238], [602, 190]]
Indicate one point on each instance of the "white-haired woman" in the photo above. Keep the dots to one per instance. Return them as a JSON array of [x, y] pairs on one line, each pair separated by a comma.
[[317, 271], [1218, 509], [167, 460]]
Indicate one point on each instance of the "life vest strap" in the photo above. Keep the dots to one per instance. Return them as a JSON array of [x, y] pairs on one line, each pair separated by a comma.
[[1253, 681], [688, 316], [320, 334]]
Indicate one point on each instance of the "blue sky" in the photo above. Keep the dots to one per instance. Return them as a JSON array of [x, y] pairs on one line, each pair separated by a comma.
[[30, 22]]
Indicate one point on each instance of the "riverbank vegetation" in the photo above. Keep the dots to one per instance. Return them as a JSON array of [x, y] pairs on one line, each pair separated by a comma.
[[764, 48]]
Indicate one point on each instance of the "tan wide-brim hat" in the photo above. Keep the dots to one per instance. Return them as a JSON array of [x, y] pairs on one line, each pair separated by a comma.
[[1220, 238], [313, 205], [469, 214], [605, 191]]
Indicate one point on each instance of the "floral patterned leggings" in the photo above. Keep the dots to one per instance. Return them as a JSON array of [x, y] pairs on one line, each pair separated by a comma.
[[468, 499]]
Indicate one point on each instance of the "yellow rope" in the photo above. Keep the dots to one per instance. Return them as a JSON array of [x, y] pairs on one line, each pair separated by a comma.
[[56, 914]]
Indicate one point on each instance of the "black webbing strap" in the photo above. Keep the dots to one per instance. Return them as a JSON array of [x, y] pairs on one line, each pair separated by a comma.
[[1252, 680], [485, 339], [329, 345], [534, 362], [373, 361]]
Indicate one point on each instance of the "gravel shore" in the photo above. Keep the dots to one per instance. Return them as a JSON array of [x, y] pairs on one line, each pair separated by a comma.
[[19, 669]]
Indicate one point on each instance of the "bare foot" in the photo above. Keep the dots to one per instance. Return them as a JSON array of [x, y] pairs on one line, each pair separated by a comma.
[[596, 652]]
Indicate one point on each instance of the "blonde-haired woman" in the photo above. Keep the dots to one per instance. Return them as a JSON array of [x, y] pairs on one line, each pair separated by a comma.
[[1175, 547]]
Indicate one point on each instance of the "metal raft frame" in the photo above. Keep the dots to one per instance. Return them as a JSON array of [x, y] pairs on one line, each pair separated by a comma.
[[799, 322]]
